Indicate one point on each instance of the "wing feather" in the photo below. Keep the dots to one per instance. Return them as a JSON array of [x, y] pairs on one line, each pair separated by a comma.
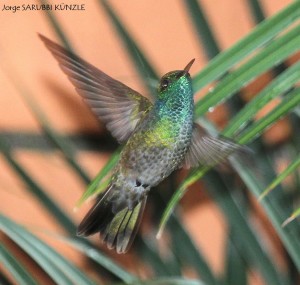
[[207, 150], [118, 106]]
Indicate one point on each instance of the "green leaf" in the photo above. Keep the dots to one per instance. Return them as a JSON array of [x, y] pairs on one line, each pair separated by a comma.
[[45, 200], [166, 281], [273, 208], [148, 251], [57, 267], [20, 274], [204, 32], [238, 220], [232, 213], [95, 187], [60, 142], [258, 15], [37, 142], [95, 255], [35, 189], [294, 215], [256, 10], [188, 252], [144, 68], [192, 178], [278, 86], [262, 34], [170, 265], [290, 169], [209, 42], [236, 269], [288, 103], [261, 62]]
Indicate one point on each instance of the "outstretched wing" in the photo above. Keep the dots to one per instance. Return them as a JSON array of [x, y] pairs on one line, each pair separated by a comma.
[[207, 150], [114, 103]]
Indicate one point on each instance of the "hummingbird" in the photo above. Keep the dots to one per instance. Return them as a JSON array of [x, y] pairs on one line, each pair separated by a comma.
[[158, 137]]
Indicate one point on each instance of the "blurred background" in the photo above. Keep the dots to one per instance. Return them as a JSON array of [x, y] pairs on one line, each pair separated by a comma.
[[33, 86]]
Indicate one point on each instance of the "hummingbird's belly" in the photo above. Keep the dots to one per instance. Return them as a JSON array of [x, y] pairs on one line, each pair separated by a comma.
[[157, 164], [151, 164]]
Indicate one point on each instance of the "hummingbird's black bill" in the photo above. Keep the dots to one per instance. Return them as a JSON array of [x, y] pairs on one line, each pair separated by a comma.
[[189, 65]]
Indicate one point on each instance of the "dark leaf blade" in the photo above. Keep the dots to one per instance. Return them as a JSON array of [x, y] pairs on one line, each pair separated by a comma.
[[166, 281], [274, 209], [97, 185], [284, 174], [235, 265], [62, 143], [290, 101], [97, 256], [248, 135], [56, 26], [281, 84], [57, 267], [238, 221], [144, 68], [20, 274], [37, 190], [189, 253], [56, 212], [257, 38], [280, 48], [203, 28]]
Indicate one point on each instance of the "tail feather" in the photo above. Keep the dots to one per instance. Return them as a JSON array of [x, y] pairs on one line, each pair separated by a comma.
[[123, 228], [117, 229], [128, 233], [98, 216]]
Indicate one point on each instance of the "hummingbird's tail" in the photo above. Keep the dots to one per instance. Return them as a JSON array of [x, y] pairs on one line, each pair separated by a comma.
[[117, 225]]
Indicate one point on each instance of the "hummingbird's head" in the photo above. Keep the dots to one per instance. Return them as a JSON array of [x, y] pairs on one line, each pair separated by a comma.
[[175, 81]]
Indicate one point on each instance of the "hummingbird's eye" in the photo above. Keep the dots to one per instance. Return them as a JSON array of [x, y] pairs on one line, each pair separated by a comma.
[[164, 84]]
